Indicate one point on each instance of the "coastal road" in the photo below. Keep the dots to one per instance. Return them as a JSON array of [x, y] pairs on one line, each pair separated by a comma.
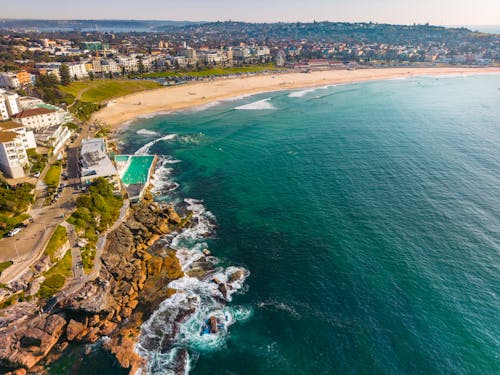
[[27, 246]]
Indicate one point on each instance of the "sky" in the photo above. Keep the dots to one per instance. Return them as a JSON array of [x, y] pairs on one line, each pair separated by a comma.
[[437, 12]]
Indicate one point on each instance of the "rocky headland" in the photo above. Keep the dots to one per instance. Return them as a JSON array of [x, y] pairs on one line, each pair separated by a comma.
[[133, 280]]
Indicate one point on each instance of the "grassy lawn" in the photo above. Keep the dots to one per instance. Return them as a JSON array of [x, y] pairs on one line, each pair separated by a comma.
[[38, 161], [108, 89], [58, 239], [5, 265], [53, 176], [215, 71], [88, 255], [56, 277], [100, 90]]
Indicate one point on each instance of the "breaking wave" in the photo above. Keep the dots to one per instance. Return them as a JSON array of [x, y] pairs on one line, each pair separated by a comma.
[[257, 106], [147, 132], [302, 93], [144, 150], [176, 332]]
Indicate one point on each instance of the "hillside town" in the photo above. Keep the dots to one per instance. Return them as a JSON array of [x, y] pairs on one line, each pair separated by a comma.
[[26, 55]]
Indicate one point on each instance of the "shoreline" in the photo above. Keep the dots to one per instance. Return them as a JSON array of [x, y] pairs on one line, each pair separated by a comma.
[[122, 111]]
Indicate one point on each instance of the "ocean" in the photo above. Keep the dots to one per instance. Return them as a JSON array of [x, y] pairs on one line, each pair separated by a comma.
[[367, 216]]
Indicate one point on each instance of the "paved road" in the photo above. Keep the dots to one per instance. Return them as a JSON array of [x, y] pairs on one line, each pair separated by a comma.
[[27, 246]]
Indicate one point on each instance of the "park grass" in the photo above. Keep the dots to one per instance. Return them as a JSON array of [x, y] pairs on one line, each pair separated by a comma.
[[53, 176], [214, 72], [98, 91], [5, 265], [55, 277], [57, 240]]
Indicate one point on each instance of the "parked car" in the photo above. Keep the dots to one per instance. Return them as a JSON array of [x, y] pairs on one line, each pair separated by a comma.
[[13, 232], [36, 175]]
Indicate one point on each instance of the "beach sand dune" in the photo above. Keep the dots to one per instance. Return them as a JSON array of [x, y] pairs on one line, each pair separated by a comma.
[[127, 108]]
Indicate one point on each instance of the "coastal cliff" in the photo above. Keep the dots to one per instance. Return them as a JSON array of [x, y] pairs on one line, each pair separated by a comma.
[[131, 282]]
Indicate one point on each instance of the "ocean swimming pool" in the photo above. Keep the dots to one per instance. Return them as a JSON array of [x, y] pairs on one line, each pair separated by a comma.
[[137, 169]]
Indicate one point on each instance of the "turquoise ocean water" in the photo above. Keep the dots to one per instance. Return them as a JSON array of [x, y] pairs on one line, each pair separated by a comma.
[[368, 216]]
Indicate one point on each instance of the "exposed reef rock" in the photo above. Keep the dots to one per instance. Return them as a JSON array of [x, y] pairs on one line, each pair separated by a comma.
[[130, 284]]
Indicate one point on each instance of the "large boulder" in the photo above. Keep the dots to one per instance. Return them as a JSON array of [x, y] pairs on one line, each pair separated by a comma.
[[74, 329]]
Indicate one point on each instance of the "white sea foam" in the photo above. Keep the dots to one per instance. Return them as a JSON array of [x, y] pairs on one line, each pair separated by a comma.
[[204, 224], [161, 181], [257, 106], [178, 322], [300, 94], [196, 138], [144, 150], [203, 107], [172, 337], [147, 132]]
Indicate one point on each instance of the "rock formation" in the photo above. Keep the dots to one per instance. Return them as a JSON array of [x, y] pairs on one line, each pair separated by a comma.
[[129, 286]]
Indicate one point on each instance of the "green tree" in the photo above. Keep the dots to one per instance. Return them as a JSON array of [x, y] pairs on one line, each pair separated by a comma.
[[65, 76]]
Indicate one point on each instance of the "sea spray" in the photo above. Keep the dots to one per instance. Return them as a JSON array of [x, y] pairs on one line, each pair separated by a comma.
[[171, 339], [161, 181]]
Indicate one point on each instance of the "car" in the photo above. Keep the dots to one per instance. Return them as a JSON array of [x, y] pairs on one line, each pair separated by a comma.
[[14, 231], [36, 175]]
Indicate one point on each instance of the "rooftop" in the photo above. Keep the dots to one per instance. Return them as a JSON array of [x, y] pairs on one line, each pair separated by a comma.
[[94, 160], [7, 136], [9, 125], [33, 112]]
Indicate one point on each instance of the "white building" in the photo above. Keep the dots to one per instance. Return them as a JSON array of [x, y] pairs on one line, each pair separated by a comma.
[[28, 102], [78, 70], [131, 64], [14, 141], [95, 162], [15, 81], [110, 66], [37, 118], [54, 136], [4, 113], [9, 80], [214, 57], [10, 99]]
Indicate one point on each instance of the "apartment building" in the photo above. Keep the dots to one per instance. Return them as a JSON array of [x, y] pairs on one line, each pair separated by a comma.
[[37, 118], [14, 141], [78, 70]]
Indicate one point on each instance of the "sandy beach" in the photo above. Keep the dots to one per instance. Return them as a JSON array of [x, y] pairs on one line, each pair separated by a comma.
[[124, 109]]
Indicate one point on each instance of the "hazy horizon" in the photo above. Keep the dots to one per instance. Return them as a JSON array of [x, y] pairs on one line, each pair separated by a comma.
[[443, 12]]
